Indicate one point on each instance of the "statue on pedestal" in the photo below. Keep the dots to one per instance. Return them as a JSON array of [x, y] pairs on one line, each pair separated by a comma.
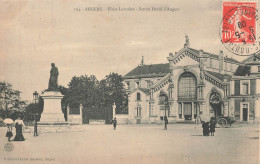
[[53, 81], [187, 41]]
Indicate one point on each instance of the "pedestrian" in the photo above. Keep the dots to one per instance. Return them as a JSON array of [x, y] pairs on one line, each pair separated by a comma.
[[165, 122], [114, 123], [212, 128], [205, 126], [9, 133], [35, 133], [19, 125], [198, 119]]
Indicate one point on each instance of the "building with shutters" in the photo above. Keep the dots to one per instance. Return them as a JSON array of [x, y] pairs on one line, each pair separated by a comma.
[[194, 83]]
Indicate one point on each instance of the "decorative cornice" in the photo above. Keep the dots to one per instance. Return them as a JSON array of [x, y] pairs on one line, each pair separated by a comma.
[[161, 83], [213, 80]]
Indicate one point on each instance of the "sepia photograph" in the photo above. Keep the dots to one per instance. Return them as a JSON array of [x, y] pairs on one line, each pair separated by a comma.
[[129, 82]]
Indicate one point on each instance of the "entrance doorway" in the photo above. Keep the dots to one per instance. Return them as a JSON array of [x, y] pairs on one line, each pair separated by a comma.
[[187, 107], [245, 112], [215, 103]]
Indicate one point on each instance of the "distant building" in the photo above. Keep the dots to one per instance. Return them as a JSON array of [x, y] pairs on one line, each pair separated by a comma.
[[195, 83]]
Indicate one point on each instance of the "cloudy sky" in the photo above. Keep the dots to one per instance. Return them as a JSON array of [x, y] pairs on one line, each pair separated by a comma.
[[33, 34]]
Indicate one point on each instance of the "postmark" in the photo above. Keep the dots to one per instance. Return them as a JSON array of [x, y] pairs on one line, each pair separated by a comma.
[[238, 29], [9, 147]]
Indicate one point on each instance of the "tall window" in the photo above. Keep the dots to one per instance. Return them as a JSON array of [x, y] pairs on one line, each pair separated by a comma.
[[138, 110], [137, 84], [128, 85], [152, 109], [138, 96], [210, 63], [245, 88], [148, 82], [258, 68], [187, 87]]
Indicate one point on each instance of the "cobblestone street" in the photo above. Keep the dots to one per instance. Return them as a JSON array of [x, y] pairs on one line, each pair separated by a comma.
[[181, 143]]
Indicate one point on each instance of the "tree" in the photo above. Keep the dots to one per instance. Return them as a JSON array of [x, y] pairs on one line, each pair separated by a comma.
[[112, 90], [83, 90], [10, 102]]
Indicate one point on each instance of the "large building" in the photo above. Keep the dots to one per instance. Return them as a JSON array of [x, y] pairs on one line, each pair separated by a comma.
[[194, 83]]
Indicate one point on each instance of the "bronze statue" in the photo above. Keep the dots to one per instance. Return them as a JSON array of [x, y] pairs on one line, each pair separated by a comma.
[[53, 81]]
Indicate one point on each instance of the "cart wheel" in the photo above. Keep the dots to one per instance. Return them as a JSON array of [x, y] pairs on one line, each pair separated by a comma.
[[222, 122]]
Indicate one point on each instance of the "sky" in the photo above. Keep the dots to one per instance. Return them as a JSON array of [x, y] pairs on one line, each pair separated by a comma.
[[34, 34]]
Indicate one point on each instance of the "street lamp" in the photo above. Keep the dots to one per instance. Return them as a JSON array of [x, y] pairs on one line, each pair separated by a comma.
[[165, 117], [35, 98]]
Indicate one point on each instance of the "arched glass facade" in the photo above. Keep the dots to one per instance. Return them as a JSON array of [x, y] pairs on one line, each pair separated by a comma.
[[187, 96], [187, 87]]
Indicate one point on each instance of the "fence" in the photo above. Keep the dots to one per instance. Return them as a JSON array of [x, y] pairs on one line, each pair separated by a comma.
[[73, 117]]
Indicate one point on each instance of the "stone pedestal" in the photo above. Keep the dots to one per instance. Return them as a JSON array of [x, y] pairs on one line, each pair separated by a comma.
[[52, 111]]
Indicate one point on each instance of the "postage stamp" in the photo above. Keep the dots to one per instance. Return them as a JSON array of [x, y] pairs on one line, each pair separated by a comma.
[[238, 30]]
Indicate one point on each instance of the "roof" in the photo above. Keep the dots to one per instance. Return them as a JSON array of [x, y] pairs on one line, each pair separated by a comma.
[[160, 70], [215, 56], [144, 90], [242, 70], [149, 70], [218, 75], [252, 59]]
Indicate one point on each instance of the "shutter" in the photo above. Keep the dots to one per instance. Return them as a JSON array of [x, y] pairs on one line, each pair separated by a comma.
[[237, 87], [252, 86], [237, 107]]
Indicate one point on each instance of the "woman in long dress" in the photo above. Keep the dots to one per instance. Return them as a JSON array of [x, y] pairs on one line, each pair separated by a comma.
[[19, 129]]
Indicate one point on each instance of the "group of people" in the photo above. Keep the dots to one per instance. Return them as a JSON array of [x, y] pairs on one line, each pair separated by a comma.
[[208, 127], [19, 125]]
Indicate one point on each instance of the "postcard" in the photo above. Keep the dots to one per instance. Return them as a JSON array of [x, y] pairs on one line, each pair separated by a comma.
[[120, 82]]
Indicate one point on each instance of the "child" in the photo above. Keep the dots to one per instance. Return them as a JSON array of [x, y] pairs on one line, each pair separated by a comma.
[[9, 133]]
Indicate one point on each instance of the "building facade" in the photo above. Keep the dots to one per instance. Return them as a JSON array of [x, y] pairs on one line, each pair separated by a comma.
[[194, 83]]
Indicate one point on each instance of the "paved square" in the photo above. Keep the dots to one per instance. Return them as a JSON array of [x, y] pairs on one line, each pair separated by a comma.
[[181, 143]]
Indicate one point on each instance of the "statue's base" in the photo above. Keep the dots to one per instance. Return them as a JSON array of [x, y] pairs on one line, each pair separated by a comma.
[[52, 112]]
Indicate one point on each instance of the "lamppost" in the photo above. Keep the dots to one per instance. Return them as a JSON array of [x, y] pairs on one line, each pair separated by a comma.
[[165, 116], [35, 98]]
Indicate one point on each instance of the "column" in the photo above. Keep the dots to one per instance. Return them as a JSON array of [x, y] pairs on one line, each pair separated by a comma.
[[114, 110], [192, 112], [182, 111], [80, 113]]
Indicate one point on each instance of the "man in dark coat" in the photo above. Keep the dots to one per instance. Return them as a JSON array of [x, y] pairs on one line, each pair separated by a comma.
[[114, 123], [205, 126]]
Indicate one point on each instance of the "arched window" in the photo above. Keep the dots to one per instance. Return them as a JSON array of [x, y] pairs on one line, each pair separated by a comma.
[[138, 110], [138, 96], [187, 87]]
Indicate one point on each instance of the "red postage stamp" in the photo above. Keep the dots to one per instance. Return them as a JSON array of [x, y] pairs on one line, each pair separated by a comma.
[[239, 27]]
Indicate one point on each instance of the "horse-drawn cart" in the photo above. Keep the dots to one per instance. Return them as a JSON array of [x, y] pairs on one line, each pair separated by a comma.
[[223, 121]]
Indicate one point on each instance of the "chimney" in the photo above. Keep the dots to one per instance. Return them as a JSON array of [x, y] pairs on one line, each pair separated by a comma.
[[221, 62]]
